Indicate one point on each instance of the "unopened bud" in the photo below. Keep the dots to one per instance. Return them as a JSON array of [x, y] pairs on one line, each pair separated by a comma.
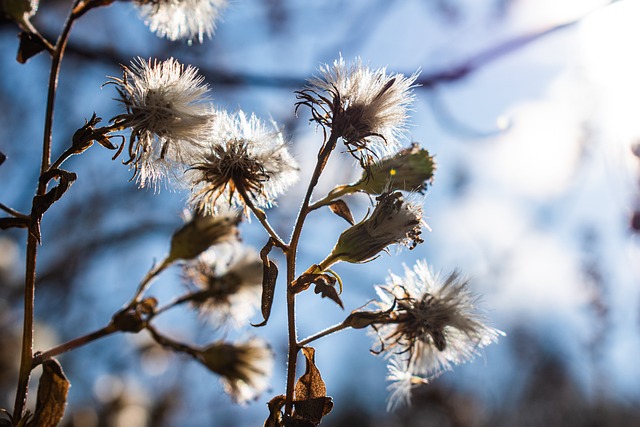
[[394, 220], [202, 232], [408, 170]]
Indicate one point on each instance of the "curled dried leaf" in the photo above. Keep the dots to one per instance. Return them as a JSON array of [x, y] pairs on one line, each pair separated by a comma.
[[269, 278], [311, 402], [275, 406], [52, 395], [327, 289], [340, 208]]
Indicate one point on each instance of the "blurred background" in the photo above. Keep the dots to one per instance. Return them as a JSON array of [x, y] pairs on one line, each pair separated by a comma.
[[532, 109]]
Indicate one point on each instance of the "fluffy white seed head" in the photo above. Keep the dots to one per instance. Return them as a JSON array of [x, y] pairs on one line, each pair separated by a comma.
[[425, 324], [434, 323], [181, 19], [367, 108], [244, 160], [167, 115]]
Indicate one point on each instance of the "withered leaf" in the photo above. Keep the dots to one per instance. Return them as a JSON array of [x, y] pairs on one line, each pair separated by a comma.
[[304, 282], [310, 384], [311, 402], [327, 290], [52, 395], [269, 277], [340, 208], [44, 202], [275, 411], [30, 45]]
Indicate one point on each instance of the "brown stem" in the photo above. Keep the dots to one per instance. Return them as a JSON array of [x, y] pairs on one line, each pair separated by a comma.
[[32, 243], [73, 344], [323, 157], [262, 217], [171, 344], [146, 280], [13, 212], [323, 333]]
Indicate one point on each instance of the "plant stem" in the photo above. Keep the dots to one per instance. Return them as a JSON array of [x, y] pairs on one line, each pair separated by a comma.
[[262, 217], [32, 243], [73, 344], [323, 157], [323, 333], [146, 280], [13, 212], [340, 190]]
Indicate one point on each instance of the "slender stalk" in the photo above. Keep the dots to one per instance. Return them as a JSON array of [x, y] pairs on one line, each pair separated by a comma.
[[171, 344], [292, 357], [146, 280], [13, 212], [340, 190], [323, 333], [73, 344], [262, 217], [32, 243]]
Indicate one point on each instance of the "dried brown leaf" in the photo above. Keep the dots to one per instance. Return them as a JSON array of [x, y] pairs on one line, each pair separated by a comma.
[[275, 411], [52, 395], [328, 290], [340, 208], [30, 45], [269, 278], [310, 395]]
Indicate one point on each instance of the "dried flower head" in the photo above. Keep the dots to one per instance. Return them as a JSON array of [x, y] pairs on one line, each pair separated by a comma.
[[394, 220], [226, 291], [202, 231], [244, 161], [244, 368], [165, 112], [434, 321], [181, 19], [366, 108]]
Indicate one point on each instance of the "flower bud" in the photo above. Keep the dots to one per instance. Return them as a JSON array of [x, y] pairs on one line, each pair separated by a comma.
[[411, 169], [20, 10], [394, 220], [201, 232]]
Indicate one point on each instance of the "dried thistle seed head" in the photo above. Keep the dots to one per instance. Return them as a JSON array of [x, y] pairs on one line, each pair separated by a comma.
[[434, 322], [167, 115], [411, 169], [394, 220], [244, 368], [366, 108], [202, 231], [181, 19], [227, 291], [243, 158]]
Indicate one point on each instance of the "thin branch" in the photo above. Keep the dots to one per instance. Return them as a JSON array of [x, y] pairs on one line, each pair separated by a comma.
[[323, 333], [73, 344], [427, 80], [32, 241], [14, 212]]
